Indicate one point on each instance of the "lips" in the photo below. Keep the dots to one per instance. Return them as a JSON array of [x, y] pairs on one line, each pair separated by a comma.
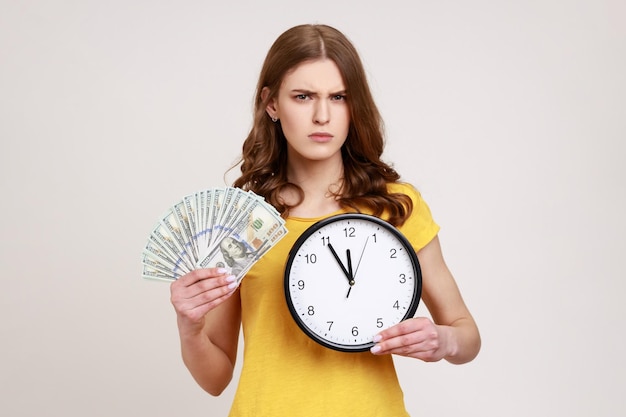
[[321, 137]]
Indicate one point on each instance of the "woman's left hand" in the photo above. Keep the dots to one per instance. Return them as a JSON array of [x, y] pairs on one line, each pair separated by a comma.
[[418, 338]]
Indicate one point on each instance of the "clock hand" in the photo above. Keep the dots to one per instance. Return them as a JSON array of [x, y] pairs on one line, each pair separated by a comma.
[[360, 257], [343, 268], [350, 266], [350, 271]]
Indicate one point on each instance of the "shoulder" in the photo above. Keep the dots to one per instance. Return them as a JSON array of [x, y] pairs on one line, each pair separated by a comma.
[[407, 189], [400, 187], [420, 228]]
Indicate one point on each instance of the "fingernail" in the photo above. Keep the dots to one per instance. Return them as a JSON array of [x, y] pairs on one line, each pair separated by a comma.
[[233, 285], [221, 270], [231, 278], [375, 349], [377, 338]]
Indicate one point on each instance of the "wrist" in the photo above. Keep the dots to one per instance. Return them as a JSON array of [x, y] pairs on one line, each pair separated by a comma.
[[450, 340], [189, 330]]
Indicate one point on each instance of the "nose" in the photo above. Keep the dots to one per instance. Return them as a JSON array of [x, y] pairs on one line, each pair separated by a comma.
[[321, 115]]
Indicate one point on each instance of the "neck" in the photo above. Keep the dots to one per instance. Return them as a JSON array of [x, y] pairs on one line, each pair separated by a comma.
[[318, 180]]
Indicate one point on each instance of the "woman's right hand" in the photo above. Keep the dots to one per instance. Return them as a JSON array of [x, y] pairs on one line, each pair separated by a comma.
[[195, 294]]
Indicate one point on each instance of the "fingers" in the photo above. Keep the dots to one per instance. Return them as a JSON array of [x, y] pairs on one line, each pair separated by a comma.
[[197, 275], [196, 293], [418, 338]]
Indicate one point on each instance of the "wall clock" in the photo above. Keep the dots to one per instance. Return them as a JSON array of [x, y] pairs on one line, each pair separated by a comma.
[[348, 277]]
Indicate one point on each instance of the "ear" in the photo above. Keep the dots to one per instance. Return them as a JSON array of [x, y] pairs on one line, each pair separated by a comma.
[[271, 109]]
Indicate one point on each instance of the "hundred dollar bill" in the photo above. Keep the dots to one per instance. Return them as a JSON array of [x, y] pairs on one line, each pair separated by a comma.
[[217, 205], [212, 201], [157, 252], [152, 273], [278, 234], [236, 205], [239, 256], [183, 221], [204, 234], [269, 206], [160, 265], [258, 225], [202, 207], [191, 210], [245, 239], [226, 227], [160, 234], [175, 231], [220, 206], [227, 199], [232, 255]]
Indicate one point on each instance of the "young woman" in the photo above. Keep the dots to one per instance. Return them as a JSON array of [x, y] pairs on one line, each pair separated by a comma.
[[314, 150]]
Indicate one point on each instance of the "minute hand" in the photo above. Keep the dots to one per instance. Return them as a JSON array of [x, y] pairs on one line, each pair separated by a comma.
[[343, 268], [360, 258]]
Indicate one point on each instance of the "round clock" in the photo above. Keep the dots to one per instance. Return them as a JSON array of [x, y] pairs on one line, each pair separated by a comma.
[[350, 276]]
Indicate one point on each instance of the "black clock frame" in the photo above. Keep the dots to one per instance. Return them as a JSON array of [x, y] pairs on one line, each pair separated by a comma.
[[417, 292]]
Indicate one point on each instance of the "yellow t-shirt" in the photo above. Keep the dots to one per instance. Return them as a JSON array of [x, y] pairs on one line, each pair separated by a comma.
[[285, 373]]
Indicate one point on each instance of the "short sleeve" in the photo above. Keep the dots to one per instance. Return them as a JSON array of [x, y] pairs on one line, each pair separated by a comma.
[[420, 228]]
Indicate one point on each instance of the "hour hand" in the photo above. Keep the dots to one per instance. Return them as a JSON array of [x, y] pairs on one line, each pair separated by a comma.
[[350, 266], [347, 273], [351, 281]]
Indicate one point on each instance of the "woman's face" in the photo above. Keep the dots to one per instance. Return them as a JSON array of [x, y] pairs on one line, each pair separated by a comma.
[[313, 112]]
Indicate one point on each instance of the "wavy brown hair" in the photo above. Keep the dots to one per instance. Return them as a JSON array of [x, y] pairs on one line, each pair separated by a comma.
[[264, 156]]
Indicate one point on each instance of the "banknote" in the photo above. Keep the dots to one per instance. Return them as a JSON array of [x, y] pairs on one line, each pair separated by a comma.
[[218, 227], [243, 241]]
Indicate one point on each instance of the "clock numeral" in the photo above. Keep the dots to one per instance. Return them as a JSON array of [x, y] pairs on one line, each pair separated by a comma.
[[301, 285], [311, 258], [374, 235], [396, 305], [393, 253], [325, 240], [355, 331], [402, 278], [350, 231], [330, 324], [311, 311], [379, 322]]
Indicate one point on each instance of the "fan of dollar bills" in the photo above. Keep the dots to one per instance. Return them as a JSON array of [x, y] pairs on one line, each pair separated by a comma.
[[219, 227]]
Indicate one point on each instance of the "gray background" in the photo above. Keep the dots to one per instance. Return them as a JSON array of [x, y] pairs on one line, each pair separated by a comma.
[[510, 117]]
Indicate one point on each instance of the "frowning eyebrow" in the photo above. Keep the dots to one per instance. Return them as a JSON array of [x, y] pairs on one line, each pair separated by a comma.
[[313, 93]]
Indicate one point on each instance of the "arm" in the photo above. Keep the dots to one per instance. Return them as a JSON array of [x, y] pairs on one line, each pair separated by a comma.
[[453, 336], [208, 314]]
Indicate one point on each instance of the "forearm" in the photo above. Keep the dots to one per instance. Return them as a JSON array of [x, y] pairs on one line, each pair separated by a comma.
[[209, 365], [208, 312]]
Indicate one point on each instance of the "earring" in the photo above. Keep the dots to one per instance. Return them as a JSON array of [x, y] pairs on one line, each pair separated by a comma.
[[274, 119]]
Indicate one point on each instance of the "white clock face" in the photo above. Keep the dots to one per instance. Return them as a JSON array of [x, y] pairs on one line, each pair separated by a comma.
[[350, 276]]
